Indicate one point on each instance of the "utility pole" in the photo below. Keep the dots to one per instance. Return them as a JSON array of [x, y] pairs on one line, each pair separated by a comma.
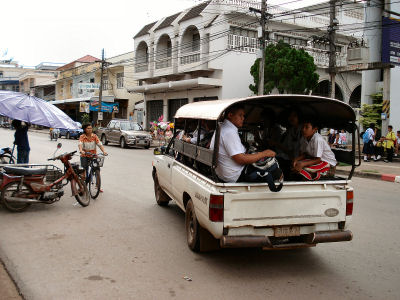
[[332, 48], [101, 86], [262, 60]]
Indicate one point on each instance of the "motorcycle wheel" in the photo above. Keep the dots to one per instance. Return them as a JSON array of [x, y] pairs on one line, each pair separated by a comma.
[[15, 189], [6, 159], [83, 197]]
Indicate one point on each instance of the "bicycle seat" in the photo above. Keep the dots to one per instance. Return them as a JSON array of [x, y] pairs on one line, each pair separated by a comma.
[[25, 171]]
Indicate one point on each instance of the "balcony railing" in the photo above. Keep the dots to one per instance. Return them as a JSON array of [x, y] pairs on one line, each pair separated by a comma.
[[189, 58], [141, 67], [164, 63]]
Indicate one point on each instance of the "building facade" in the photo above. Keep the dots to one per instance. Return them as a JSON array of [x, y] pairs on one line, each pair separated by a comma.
[[116, 81], [205, 52]]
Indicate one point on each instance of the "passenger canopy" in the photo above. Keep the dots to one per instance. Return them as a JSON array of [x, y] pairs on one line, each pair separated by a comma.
[[329, 112]]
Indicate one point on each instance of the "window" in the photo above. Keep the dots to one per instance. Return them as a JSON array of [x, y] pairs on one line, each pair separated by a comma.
[[105, 83], [196, 42], [32, 82], [80, 91], [120, 80], [91, 80], [70, 87], [1, 74]]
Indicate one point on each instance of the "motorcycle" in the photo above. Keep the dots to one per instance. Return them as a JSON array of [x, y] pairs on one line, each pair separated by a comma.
[[22, 186]]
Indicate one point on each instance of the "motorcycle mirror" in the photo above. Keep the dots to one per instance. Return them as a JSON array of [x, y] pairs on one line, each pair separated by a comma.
[[59, 145]]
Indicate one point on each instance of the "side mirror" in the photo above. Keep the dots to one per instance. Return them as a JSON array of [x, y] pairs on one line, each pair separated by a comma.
[[59, 145]]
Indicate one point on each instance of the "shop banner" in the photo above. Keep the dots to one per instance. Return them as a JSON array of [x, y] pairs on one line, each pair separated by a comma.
[[105, 107]]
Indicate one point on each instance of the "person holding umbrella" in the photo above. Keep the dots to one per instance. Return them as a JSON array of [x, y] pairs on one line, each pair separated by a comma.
[[21, 141]]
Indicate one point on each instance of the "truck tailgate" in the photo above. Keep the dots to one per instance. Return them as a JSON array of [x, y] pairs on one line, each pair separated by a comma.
[[309, 204]]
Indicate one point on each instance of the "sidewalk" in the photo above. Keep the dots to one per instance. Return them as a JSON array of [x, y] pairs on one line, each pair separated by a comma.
[[375, 170]]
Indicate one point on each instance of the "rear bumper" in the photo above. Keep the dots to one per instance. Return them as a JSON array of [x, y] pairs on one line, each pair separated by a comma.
[[307, 240]]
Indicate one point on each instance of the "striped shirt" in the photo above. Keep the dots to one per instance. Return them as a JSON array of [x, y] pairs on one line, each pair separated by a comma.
[[89, 143]]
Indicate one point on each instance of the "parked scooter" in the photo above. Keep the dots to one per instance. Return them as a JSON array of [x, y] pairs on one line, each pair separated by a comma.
[[54, 134], [7, 155], [22, 186]]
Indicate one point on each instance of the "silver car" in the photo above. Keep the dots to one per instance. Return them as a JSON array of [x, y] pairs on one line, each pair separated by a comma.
[[124, 133]]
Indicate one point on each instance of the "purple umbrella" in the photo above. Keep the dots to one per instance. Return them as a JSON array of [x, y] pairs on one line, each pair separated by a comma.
[[33, 110]]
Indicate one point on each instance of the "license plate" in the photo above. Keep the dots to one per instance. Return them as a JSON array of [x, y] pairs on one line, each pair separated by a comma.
[[142, 142], [287, 231]]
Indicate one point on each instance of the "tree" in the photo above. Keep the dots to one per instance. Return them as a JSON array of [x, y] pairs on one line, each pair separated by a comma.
[[287, 69], [371, 113]]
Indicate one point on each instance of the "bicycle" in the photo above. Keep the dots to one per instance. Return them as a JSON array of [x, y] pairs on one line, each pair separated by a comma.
[[93, 179]]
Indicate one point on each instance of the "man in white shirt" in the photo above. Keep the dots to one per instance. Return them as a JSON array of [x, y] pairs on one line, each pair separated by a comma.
[[316, 154], [232, 156]]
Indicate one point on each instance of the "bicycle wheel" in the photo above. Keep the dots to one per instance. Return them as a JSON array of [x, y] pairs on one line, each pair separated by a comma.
[[6, 159], [94, 183], [14, 189], [83, 197]]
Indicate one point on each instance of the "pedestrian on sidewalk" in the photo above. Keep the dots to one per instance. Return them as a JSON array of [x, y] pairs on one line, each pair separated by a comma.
[[368, 139], [397, 143], [388, 143], [21, 140]]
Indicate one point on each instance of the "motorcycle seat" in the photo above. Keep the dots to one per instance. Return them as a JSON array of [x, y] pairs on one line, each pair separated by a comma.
[[25, 171]]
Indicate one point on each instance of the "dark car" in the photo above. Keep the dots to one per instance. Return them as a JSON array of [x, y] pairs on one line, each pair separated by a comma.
[[70, 133]]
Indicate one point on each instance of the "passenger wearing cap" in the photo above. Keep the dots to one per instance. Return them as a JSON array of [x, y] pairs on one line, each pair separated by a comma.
[[232, 156]]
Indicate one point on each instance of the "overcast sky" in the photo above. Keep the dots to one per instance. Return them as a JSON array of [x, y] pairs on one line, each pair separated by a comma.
[[62, 31]]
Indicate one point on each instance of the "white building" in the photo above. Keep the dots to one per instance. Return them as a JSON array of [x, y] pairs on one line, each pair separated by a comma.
[[374, 80], [206, 52]]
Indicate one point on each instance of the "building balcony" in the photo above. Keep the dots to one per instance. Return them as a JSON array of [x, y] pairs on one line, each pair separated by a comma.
[[141, 67], [164, 63], [190, 58]]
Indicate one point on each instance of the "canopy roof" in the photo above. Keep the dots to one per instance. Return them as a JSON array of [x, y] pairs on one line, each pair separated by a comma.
[[327, 111]]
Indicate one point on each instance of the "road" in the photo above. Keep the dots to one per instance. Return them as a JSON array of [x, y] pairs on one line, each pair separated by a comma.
[[123, 246]]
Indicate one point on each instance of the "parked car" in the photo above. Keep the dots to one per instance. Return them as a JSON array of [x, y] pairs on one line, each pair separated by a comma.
[[70, 133], [301, 214], [125, 133]]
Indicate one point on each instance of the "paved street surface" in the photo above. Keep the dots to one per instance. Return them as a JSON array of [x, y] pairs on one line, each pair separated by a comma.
[[123, 246]]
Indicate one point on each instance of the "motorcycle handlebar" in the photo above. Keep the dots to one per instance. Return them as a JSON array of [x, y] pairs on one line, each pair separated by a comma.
[[65, 154]]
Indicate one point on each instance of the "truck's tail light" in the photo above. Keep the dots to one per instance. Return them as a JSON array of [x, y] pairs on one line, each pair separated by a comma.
[[216, 212], [349, 203]]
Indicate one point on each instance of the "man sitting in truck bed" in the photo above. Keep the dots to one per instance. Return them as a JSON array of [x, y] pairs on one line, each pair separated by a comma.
[[232, 157], [316, 158]]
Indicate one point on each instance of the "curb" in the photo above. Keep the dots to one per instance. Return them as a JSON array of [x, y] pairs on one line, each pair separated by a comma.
[[376, 176], [391, 178]]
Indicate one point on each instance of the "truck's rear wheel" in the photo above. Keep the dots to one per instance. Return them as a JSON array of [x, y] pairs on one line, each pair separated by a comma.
[[161, 197], [192, 228]]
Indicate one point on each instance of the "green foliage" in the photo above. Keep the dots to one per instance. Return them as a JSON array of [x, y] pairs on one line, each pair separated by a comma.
[[287, 69], [85, 118], [371, 113]]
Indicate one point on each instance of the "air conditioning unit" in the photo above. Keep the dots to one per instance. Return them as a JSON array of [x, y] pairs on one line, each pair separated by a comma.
[[357, 55]]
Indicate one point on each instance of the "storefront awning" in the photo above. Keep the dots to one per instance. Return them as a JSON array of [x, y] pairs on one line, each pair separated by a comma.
[[71, 100], [92, 99]]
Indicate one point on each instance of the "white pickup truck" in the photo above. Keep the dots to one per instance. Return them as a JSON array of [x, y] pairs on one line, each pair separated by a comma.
[[302, 214]]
